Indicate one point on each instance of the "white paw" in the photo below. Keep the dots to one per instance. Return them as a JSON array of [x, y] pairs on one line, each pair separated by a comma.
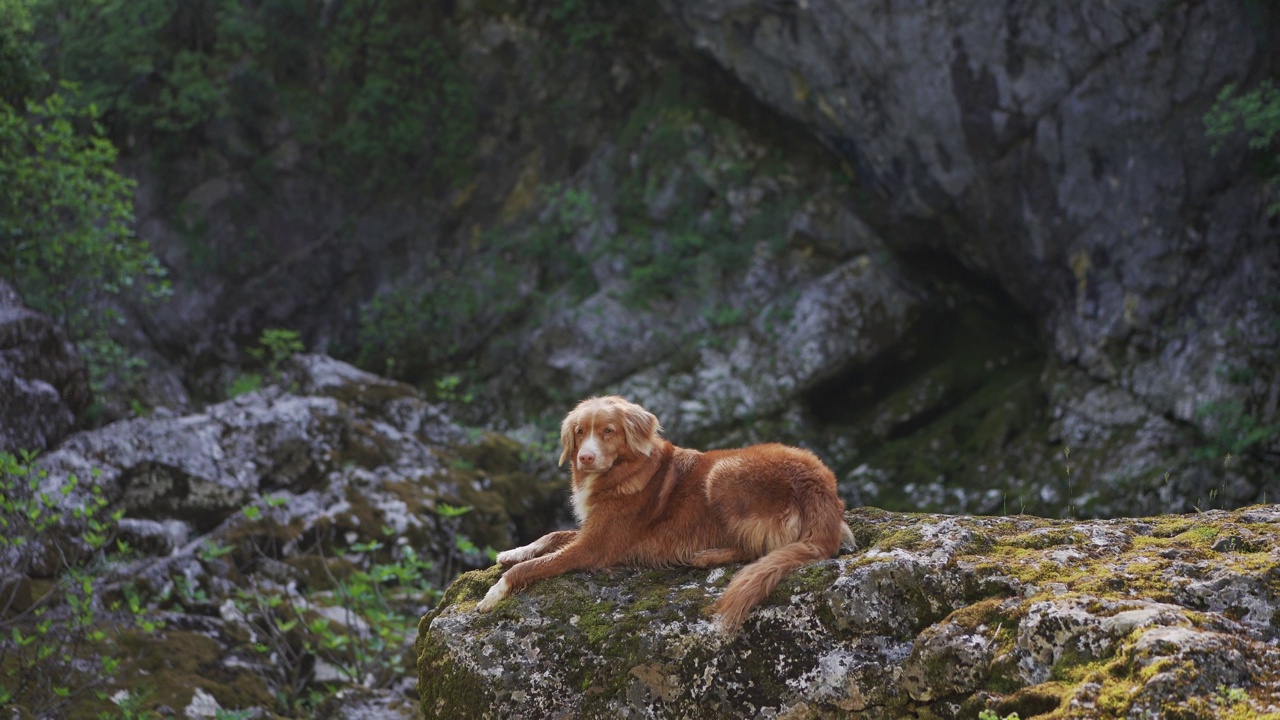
[[515, 556], [491, 598]]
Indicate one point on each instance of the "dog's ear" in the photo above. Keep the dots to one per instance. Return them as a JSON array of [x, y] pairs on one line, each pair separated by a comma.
[[566, 438], [641, 428]]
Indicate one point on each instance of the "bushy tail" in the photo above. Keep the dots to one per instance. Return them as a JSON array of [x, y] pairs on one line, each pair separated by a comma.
[[822, 530], [758, 579], [848, 542]]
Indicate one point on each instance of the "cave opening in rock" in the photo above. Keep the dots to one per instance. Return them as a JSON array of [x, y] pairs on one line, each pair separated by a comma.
[[972, 330], [956, 404]]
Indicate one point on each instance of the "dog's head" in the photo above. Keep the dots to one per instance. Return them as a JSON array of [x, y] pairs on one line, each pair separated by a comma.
[[602, 430]]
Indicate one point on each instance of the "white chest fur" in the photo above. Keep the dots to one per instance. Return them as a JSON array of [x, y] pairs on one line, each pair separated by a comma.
[[582, 497]]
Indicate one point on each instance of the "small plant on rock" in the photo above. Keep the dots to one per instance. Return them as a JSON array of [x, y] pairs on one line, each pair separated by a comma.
[[354, 622], [1257, 114], [274, 347], [55, 639]]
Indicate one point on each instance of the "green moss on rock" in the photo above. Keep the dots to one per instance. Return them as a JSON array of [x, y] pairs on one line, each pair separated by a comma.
[[932, 616]]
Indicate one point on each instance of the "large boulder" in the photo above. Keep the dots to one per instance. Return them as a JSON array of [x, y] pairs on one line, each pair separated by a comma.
[[44, 386], [933, 616]]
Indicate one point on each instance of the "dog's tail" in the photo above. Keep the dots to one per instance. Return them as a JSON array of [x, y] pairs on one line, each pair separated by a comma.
[[848, 542], [822, 531]]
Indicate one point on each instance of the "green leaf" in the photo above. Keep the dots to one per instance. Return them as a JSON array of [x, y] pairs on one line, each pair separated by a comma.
[[211, 550], [449, 511]]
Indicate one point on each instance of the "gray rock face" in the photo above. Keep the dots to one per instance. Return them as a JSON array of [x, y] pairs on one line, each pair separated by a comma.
[[849, 315], [43, 384], [979, 257], [934, 616], [1065, 149]]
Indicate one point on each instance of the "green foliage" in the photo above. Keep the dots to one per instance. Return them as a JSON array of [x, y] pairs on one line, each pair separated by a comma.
[[1232, 695], [44, 639], [20, 72], [574, 19], [446, 510], [66, 218], [1233, 431], [415, 329], [372, 83], [118, 51], [447, 389], [357, 624], [452, 517], [695, 159], [404, 98], [244, 384], [211, 551], [274, 347], [1256, 113]]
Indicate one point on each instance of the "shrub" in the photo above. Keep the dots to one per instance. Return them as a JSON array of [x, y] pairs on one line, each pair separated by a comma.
[[274, 347], [373, 84], [1256, 113], [56, 644], [20, 72], [66, 237], [357, 619]]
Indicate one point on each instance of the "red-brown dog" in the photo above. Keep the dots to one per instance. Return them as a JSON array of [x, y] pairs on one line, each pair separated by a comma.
[[642, 501]]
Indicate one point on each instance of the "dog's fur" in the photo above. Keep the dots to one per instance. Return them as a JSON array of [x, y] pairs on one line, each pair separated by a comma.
[[642, 501]]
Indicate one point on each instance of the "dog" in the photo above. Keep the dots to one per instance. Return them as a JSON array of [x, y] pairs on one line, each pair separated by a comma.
[[640, 500]]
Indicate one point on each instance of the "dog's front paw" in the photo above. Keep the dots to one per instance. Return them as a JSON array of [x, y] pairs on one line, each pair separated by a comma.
[[491, 598], [507, 558]]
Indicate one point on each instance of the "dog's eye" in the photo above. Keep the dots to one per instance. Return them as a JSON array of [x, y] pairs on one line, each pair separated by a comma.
[[579, 431], [608, 431]]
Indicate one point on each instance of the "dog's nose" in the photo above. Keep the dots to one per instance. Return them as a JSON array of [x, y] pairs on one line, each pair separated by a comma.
[[586, 458]]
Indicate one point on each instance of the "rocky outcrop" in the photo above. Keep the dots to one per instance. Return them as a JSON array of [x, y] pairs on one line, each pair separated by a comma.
[[228, 526], [933, 616], [349, 450], [1068, 145], [44, 387], [981, 258], [1060, 152]]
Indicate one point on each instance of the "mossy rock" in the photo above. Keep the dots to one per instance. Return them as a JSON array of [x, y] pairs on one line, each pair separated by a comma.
[[933, 616]]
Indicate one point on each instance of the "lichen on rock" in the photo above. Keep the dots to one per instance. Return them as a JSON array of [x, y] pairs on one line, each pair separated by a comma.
[[934, 616]]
